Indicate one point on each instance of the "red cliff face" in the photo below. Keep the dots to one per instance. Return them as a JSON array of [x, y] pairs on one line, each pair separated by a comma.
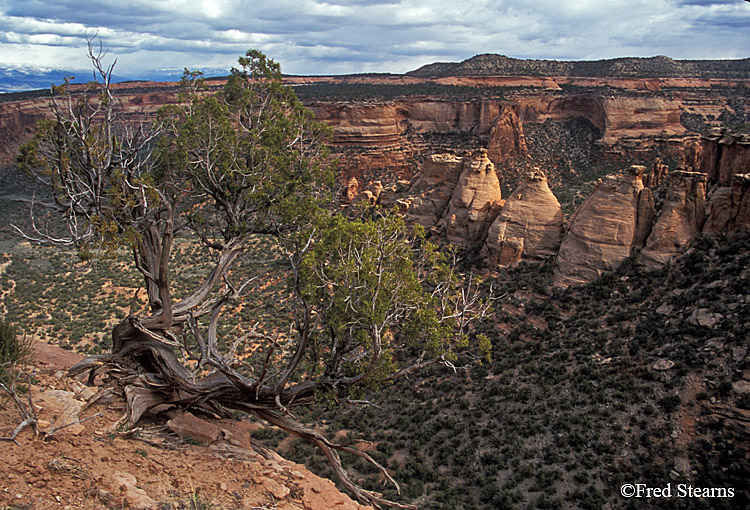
[[379, 134], [630, 114], [725, 155], [729, 207], [18, 121], [507, 140]]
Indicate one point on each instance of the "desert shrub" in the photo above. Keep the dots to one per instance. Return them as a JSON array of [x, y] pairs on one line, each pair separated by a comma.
[[14, 348]]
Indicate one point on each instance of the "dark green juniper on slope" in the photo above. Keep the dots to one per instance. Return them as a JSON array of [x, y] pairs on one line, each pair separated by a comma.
[[578, 399]]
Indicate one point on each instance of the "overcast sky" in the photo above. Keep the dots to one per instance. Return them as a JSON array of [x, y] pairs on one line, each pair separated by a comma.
[[347, 36]]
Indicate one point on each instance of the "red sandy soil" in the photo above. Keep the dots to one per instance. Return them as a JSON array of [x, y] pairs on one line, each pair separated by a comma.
[[94, 465]]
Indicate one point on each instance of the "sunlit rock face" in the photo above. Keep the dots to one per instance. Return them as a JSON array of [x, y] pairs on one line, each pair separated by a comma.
[[431, 189], [458, 195], [474, 203], [603, 231], [529, 226]]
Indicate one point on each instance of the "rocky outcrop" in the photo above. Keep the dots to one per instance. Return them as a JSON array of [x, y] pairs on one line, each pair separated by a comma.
[[656, 175], [729, 207], [351, 190], [682, 216], [603, 231], [529, 226], [370, 195], [459, 195], [724, 155], [507, 140], [474, 203], [431, 189], [646, 213]]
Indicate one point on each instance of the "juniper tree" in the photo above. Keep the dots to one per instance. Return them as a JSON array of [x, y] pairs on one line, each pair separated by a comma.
[[370, 298]]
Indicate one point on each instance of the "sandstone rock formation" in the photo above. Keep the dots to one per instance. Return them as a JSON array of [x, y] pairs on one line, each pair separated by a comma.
[[474, 203], [682, 216], [460, 195], [351, 191], [728, 207], [638, 116], [431, 189], [724, 155], [506, 137], [656, 175], [529, 226], [603, 230], [646, 213], [371, 193]]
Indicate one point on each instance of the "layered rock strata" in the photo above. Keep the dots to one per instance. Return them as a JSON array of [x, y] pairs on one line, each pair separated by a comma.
[[604, 229], [529, 226], [681, 217]]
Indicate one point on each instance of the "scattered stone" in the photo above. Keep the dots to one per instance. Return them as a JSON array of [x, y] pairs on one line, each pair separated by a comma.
[[682, 465], [705, 317], [716, 283], [738, 353], [662, 364], [132, 496], [715, 343], [275, 488], [188, 426], [665, 309], [65, 406], [741, 387]]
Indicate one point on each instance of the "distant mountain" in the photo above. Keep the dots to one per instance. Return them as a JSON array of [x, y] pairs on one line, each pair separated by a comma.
[[628, 67], [33, 78], [19, 79]]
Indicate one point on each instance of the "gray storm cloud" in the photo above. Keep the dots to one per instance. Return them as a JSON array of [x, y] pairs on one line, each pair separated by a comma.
[[339, 36]]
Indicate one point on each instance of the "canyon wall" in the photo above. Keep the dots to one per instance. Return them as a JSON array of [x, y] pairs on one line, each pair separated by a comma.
[[387, 134]]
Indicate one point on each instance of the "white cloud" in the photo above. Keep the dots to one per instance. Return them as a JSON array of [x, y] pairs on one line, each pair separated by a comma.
[[338, 36]]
